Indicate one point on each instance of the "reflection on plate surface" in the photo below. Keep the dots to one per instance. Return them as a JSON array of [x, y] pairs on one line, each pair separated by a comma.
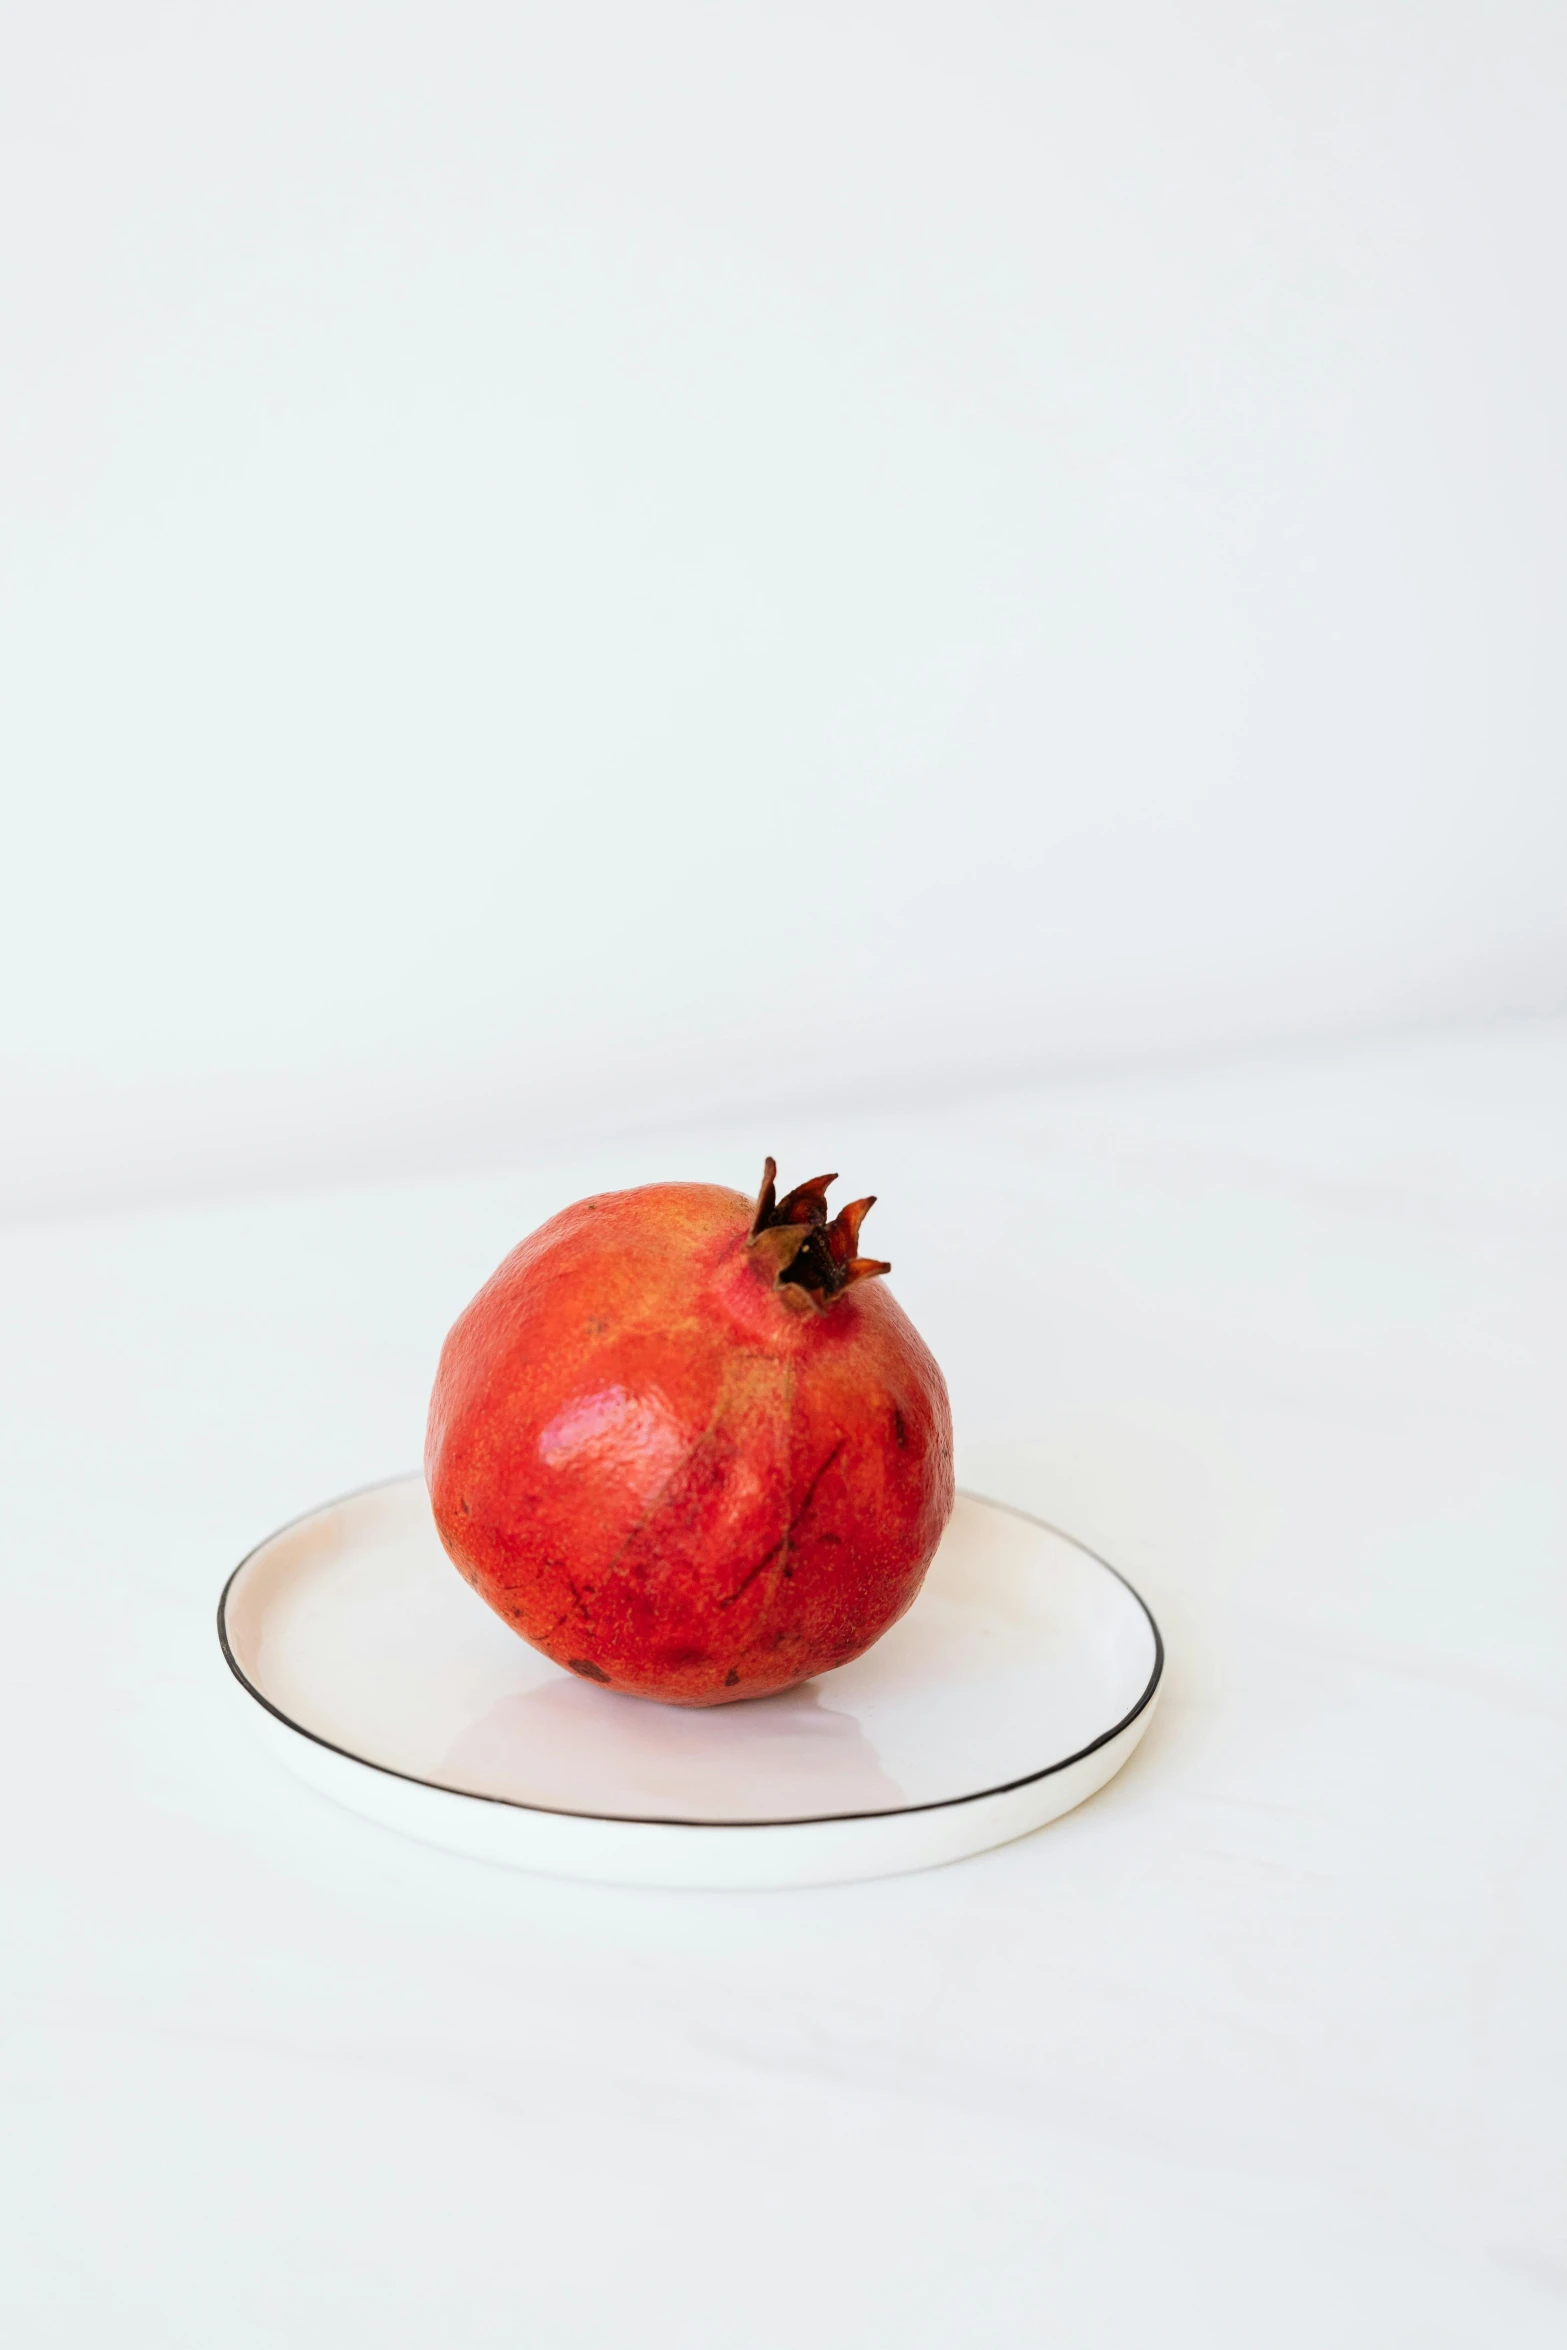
[[550, 1745]]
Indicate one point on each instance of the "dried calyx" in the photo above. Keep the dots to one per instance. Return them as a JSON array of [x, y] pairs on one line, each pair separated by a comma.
[[807, 1251]]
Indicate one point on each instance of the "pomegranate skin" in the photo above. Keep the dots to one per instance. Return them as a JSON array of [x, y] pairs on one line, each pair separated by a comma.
[[675, 1473]]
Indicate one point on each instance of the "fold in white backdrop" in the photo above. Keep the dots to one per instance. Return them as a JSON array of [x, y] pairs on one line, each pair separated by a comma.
[[566, 566]]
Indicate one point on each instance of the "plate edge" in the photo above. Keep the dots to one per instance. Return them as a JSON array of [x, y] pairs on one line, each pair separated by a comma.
[[666, 1820]]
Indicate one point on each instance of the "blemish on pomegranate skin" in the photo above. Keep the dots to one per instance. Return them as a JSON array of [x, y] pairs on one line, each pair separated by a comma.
[[462, 1504], [731, 1678], [589, 1671], [899, 1430]]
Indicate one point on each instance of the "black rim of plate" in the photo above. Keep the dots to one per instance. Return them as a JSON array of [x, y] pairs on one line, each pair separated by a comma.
[[667, 1820]]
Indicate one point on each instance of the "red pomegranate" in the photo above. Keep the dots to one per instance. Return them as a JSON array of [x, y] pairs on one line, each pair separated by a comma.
[[690, 1446]]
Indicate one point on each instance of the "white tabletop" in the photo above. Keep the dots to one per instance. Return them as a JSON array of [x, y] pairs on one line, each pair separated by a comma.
[[1264, 2047]]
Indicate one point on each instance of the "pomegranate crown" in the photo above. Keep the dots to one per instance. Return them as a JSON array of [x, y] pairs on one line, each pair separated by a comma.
[[805, 1250]]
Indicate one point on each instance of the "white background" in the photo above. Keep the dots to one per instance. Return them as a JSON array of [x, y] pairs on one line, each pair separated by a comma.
[[969, 594], [574, 567]]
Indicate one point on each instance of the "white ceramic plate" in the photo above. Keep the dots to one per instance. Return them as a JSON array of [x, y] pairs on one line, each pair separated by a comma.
[[1017, 1684]]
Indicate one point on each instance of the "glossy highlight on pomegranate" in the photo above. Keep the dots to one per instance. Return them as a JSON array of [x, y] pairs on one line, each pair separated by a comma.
[[689, 1445]]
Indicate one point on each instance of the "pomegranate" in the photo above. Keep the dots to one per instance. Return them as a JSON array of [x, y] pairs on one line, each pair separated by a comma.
[[688, 1445]]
